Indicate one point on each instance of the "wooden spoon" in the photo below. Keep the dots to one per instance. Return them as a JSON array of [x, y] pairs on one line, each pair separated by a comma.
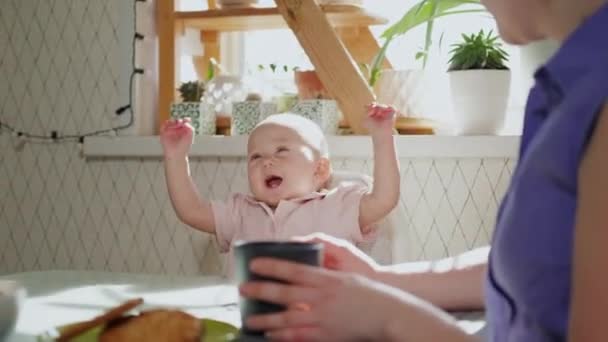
[[112, 314]]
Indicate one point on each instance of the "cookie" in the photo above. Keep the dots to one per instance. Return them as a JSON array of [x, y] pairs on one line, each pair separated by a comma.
[[155, 326]]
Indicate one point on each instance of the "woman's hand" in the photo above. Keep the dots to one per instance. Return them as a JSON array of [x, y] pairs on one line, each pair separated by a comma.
[[327, 305], [324, 305], [341, 255]]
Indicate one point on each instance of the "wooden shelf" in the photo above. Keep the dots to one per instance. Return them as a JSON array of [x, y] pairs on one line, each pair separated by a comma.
[[403, 125], [266, 18], [336, 38]]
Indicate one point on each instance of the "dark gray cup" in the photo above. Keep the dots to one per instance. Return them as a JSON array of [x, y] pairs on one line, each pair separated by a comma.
[[245, 252]]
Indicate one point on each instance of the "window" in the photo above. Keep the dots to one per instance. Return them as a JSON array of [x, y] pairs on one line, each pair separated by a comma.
[[251, 51], [401, 52]]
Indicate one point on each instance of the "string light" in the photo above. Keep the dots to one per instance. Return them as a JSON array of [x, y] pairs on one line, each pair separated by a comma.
[[55, 136]]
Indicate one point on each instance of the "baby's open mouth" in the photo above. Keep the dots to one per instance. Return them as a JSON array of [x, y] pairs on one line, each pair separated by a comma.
[[273, 181]]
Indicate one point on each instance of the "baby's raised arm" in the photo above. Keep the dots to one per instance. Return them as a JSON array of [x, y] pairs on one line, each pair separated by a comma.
[[192, 209], [384, 196]]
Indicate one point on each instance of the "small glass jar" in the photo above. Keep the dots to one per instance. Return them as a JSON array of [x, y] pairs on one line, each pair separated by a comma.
[[222, 91]]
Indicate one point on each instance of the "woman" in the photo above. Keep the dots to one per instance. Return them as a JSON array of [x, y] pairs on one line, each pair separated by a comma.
[[546, 277]]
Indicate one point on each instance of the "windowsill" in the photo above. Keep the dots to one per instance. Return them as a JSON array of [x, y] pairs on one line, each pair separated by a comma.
[[340, 146]]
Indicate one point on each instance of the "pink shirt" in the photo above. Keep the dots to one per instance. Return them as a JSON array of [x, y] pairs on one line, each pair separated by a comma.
[[334, 212]]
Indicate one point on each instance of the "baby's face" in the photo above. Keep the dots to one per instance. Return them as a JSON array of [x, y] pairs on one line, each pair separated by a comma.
[[281, 164]]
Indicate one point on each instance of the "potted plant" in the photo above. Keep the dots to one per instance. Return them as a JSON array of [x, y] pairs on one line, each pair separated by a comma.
[[201, 115], [275, 69], [307, 82], [191, 91], [413, 92], [248, 113], [309, 85], [315, 102], [222, 89], [424, 12], [479, 82]]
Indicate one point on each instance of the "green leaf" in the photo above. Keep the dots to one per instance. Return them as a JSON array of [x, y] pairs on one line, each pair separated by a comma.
[[210, 69], [375, 76], [420, 54], [424, 11], [429, 31], [441, 40], [191, 91], [377, 62], [365, 70], [420, 5], [478, 51]]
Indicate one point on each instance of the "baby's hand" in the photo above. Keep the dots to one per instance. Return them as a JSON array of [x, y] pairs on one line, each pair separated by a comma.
[[381, 119], [176, 137]]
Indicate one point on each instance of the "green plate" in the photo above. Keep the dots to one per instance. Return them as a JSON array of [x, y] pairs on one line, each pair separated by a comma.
[[215, 331]]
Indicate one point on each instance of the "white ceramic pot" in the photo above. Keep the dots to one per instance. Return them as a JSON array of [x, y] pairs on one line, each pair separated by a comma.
[[12, 296], [324, 113], [247, 114], [479, 100], [202, 116]]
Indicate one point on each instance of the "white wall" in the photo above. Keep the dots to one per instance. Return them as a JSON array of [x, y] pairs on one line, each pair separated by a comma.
[[63, 65]]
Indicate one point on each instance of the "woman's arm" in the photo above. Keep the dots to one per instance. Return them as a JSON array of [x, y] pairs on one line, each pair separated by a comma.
[[454, 283], [589, 297]]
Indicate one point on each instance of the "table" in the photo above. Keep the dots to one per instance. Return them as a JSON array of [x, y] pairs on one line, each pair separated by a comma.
[[61, 297]]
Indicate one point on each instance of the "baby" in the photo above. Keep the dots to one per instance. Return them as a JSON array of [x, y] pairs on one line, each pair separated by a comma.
[[288, 168]]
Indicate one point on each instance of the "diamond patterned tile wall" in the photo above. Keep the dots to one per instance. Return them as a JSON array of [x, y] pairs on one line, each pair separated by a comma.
[[59, 212], [62, 66]]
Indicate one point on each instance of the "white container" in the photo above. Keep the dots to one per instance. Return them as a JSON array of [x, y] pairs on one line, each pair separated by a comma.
[[247, 114], [324, 113], [12, 296], [201, 114], [222, 91], [479, 99]]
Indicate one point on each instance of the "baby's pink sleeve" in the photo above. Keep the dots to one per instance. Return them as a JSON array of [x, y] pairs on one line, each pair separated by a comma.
[[227, 220], [345, 203]]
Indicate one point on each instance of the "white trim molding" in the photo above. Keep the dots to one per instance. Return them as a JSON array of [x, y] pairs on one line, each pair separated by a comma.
[[340, 146]]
